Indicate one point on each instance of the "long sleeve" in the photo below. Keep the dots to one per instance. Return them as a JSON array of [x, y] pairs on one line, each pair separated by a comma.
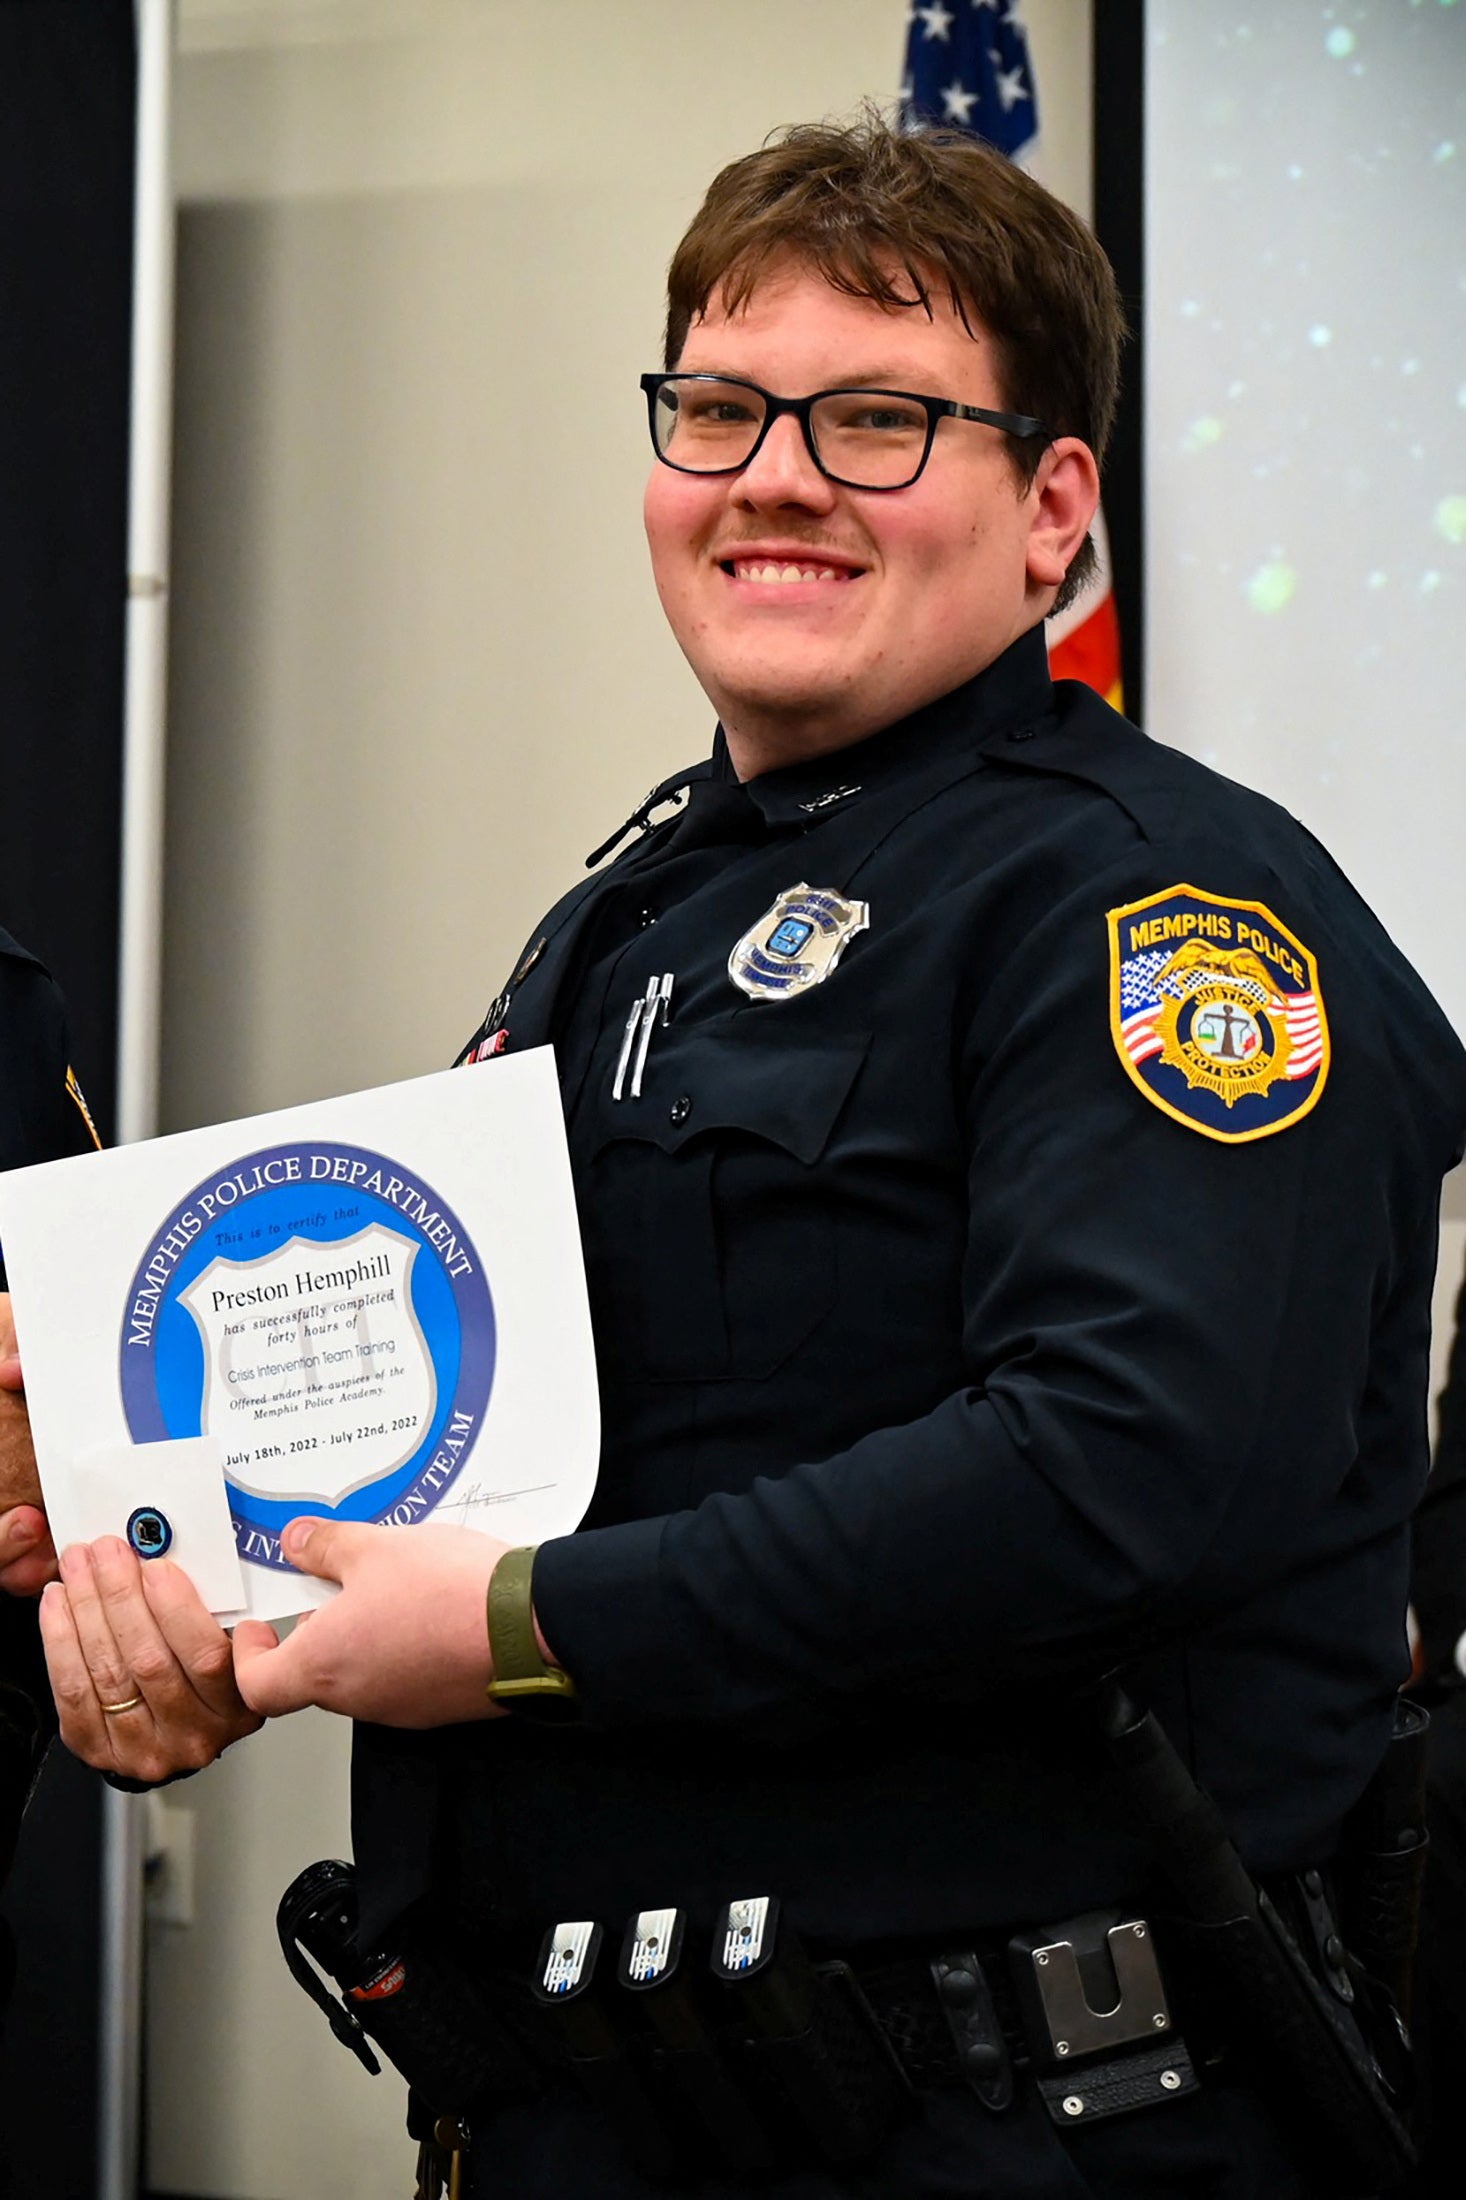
[[1172, 1350]]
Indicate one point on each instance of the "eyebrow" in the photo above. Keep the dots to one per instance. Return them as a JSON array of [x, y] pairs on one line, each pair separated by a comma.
[[869, 378]]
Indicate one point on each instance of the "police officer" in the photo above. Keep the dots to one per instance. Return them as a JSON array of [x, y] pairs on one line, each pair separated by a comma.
[[1008, 1158], [42, 1116]]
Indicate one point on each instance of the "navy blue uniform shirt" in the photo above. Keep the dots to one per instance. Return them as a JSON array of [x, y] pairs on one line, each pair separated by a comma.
[[942, 1368], [42, 1114]]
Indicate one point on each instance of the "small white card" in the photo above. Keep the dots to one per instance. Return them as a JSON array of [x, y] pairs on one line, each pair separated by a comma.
[[374, 1307], [170, 1502]]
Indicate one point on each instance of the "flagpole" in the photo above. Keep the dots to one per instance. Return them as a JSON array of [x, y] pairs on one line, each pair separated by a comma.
[[145, 692], [139, 955]]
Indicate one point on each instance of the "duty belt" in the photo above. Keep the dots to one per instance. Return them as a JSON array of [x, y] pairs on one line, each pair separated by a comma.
[[766, 2055], [754, 2054]]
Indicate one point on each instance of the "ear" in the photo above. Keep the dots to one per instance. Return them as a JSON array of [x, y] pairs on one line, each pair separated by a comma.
[[1063, 501]]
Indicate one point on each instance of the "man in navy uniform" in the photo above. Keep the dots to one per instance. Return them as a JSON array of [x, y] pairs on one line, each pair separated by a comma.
[[1010, 1263]]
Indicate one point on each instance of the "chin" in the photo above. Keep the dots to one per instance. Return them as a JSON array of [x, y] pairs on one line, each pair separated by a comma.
[[780, 691], [785, 713]]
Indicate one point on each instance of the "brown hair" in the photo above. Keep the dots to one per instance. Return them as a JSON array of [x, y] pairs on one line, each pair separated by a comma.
[[892, 216]]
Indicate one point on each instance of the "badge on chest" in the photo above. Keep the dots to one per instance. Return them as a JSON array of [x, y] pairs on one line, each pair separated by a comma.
[[797, 943]]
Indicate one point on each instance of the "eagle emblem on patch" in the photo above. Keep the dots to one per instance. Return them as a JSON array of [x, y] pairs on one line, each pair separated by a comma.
[[1216, 1013], [797, 943]]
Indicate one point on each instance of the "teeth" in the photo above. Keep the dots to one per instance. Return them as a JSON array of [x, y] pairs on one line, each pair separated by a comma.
[[780, 574]]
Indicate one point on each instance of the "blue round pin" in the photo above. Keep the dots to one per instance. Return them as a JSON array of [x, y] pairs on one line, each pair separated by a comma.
[[149, 1531]]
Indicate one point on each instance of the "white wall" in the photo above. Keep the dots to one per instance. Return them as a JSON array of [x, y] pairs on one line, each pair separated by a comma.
[[418, 671]]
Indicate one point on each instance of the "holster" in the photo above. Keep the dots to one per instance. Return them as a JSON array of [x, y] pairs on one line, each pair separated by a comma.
[[1298, 2033], [1380, 1873]]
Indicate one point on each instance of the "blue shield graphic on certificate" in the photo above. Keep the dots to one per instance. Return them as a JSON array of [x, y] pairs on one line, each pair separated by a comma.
[[323, 1312], [354, 1326]]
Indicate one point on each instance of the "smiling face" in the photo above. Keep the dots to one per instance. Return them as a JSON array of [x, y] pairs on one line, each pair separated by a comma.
[[813, 615]]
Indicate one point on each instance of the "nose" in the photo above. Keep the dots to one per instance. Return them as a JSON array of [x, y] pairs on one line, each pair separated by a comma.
[[781, 472]]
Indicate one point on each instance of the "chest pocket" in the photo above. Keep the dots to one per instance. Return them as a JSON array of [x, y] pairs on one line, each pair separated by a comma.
[[714, 1201]]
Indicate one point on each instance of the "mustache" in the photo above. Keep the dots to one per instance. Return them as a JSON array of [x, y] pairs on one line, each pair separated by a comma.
[[788, 546]]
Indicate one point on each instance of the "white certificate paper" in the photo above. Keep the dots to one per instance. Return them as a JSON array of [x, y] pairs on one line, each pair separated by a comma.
[[374, 1305]]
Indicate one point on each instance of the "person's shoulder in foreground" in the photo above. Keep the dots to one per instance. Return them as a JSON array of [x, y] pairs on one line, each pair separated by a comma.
[[42, 1112]]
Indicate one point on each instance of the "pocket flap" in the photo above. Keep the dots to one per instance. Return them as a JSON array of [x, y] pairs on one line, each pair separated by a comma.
[[789, 1094]]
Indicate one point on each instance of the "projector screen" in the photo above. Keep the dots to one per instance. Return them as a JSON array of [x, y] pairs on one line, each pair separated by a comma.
[[1305, 348]]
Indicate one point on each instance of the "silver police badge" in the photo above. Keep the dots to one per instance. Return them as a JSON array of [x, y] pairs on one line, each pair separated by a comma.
[[797, 943]]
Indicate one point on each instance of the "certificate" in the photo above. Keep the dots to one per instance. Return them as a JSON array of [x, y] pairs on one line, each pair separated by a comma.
[[371, 1308]]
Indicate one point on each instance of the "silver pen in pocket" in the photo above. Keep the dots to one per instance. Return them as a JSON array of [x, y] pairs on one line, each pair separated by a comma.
[[627, 1036], [657, 1002]]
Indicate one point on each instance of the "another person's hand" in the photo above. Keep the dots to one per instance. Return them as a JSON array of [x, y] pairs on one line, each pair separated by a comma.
[[406, 1642], [27, 1557], [142, 1674]]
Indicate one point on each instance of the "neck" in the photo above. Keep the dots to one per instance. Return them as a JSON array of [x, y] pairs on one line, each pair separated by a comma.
[[760, 742], [766, 737]]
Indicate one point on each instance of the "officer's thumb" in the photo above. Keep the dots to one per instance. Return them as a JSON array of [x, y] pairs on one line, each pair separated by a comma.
[[322, 1547], [251, 1637]]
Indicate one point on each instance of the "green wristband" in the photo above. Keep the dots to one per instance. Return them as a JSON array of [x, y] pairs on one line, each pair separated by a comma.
[[521, 1674]]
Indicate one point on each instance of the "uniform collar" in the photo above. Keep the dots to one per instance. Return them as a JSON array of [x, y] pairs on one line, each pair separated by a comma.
[[1013, 691]]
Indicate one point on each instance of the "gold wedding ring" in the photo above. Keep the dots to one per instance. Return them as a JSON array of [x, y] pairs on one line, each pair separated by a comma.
[[130, 1704]]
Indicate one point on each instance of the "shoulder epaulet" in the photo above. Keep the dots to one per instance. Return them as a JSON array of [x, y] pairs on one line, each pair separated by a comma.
[[78, 1099], [1085, 740]]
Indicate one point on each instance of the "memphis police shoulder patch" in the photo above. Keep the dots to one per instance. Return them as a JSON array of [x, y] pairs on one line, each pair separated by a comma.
[[1216, 1013]]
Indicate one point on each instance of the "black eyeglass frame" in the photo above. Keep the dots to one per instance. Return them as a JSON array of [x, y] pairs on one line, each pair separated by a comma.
[[1021, 425]]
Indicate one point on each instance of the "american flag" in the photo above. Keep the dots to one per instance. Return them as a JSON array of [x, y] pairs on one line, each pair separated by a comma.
[[1140, 1006], [1140, 1003], [967, 69], [1305, 1029]]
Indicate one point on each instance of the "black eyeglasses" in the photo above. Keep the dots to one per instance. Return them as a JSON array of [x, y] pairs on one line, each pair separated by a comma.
[[862, 439]]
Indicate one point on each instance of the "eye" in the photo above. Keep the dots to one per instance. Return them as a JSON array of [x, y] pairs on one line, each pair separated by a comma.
[[712, 409], [890, 419], [871, 413]]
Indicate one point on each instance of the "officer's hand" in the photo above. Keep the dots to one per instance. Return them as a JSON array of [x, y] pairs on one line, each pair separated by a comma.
[[405, 1644], [27, 1559], [120, 1633]]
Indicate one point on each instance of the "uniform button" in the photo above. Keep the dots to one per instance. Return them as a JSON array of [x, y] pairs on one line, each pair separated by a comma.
[[958, 1988], [679, 1111], [648, 916]]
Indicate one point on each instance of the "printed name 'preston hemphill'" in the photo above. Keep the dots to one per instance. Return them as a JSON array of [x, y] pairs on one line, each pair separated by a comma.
[[308, 1281], [268, 1175]]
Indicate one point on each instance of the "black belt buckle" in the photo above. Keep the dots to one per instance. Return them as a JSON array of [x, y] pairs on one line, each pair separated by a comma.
[[1097, 2017]]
